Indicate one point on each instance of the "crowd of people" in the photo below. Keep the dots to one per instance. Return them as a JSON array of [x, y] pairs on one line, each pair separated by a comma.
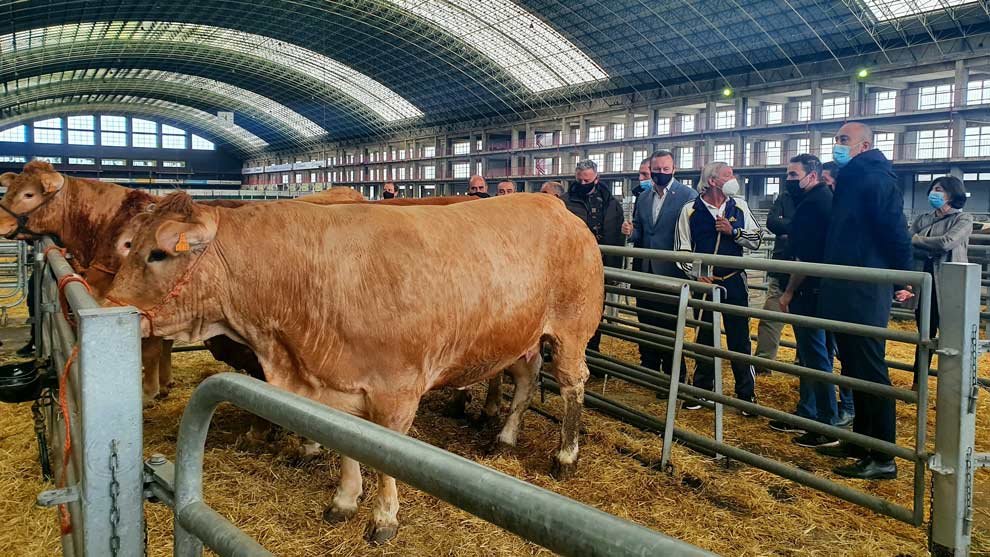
[[848, 211]]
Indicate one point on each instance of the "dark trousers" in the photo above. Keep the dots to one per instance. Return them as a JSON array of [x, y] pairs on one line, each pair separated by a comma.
[[737, 340], [31, 294], [660, 359], [864, 358]]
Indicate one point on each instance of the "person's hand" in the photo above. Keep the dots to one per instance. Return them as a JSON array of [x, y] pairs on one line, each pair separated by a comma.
[[706, 280], [723, 226], [785, 301], [627, 228], [903, 295]]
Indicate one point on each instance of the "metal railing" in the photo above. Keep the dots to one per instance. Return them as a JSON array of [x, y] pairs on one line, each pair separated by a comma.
[[13, 276], [543, 517], [95, 418], [958, 279]]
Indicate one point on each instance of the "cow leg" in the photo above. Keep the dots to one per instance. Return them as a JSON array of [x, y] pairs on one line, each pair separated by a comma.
[[151, 351], [571, 372], [493, 399], [456, 406], [165, 369], [345, 499], [395, 412], [524, 374]]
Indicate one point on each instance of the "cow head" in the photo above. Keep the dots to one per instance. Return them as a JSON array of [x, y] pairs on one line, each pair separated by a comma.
[[27, 204], [162, 273]]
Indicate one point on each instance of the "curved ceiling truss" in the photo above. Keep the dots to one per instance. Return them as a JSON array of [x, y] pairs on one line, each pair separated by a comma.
[[166, 38], [282, 125], [239, 140]]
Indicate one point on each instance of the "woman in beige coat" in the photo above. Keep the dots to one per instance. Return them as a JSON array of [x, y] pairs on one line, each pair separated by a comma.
[[940, 236]]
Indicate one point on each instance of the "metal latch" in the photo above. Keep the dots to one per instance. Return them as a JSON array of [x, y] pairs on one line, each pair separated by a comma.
[[981, 460], [936, 466], [61, 496]]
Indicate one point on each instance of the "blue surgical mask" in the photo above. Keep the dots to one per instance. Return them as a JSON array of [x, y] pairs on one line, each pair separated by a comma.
[[840, 154], [646, 184], [936, 199]]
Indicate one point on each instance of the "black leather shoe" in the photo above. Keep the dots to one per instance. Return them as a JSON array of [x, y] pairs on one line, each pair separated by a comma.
[[26, 350], [842, 450], [869, 469]]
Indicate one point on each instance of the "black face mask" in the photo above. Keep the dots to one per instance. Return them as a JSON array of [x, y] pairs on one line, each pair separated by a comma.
[[661, 179], [793, 187], [388, 195], [479, 194], [582, 189]]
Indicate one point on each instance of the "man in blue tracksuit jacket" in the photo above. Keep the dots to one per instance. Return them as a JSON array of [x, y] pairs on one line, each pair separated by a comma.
[[868, 229]]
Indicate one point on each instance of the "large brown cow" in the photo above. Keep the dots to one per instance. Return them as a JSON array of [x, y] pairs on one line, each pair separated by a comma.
[[350, 272], [88, 217]]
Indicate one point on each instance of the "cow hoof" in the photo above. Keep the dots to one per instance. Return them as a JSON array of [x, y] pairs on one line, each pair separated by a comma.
[[501, 448], [561, 471], [455, 409], [162, 394], [333, 515], [148, 401], [379, 535], [484, 422]]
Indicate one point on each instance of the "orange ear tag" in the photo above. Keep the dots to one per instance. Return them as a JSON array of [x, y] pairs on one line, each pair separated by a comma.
[[183, 244]]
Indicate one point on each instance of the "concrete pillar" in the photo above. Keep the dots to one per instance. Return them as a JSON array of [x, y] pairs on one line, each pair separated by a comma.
[[515, 138], [654, 116], [739, 149], [815, 143], [709, 119], [742, 103], [708, 152], [960, 85], [957, 125], [816, 101], [856, 88]]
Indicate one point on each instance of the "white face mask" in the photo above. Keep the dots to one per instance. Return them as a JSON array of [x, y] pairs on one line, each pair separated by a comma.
[[731, 188]]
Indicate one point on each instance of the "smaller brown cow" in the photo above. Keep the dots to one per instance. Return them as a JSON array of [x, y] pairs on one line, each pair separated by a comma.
[[316, 320]]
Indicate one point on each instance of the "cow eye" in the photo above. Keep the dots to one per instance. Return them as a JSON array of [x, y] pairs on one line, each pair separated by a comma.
[[28, 195], [127, 245], [157, 255]]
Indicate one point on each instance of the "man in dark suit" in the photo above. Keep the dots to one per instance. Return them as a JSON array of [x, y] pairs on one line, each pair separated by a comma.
[[868, 229], [654, 225]]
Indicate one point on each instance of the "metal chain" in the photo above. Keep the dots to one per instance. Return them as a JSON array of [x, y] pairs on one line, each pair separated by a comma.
[[114, 493]]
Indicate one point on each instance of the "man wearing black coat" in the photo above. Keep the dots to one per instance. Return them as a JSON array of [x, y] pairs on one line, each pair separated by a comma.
[[779, 222], [868, 229], [597, 207]]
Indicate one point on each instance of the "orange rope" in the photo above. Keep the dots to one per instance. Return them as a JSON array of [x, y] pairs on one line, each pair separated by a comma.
[[63, 404], [55, 248], [63, 301]]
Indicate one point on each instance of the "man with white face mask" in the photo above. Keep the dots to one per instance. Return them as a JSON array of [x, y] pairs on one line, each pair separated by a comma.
[[719, 223]]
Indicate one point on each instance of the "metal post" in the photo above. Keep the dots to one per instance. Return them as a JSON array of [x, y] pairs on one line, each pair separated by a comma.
[[675, 376], [717, 344], [112, 483], [952, 465]]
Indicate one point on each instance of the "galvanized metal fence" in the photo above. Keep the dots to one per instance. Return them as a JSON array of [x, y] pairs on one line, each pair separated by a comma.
[[13, 276], [958, 349], [94, 418]]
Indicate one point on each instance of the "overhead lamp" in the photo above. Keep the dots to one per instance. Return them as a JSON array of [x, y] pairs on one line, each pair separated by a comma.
[[863, 73], [727, 92]]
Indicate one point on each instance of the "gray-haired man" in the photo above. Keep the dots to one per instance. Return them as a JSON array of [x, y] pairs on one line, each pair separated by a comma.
[[597, 207]]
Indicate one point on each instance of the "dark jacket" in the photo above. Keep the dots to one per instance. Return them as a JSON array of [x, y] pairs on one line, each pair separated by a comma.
[[779, 222], [868, 229], [809, 229], [660, 235], [637, 263], [611, 234]]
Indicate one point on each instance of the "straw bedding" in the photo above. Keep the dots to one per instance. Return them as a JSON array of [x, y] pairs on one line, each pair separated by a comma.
[[277, 497]]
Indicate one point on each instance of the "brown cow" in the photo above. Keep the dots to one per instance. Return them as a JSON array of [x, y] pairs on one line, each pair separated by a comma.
[[315, 320]]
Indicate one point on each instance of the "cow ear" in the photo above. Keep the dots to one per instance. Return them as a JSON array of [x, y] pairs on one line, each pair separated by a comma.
[[51, 182], [176, 237], [7, 179]]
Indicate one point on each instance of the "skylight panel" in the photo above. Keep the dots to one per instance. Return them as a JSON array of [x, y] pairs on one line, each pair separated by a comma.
[[359, 87], [517, 41], [887, 10]]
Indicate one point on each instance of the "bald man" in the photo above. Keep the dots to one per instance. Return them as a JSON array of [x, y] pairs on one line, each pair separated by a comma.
[[478, 187], [506, 187], [867, 229]]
